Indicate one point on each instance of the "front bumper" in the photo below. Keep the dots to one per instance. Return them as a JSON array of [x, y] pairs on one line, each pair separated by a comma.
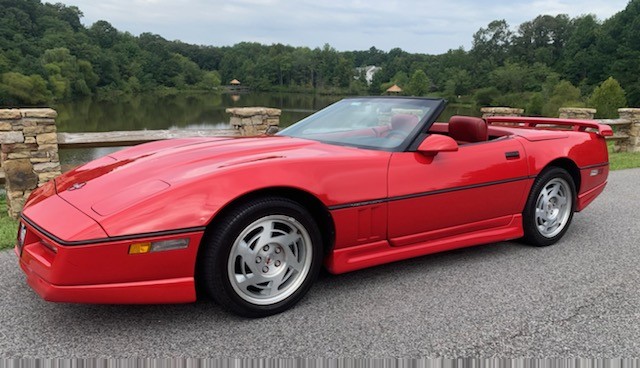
[[105, 272]]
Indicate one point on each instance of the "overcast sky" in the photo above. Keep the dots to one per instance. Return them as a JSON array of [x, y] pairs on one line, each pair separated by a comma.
[[423, 26]]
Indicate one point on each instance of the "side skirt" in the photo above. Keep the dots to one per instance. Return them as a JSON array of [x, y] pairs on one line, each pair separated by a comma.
[[381, 252]]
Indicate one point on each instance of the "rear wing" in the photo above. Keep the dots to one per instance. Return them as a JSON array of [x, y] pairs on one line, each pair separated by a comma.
[[553, 123]]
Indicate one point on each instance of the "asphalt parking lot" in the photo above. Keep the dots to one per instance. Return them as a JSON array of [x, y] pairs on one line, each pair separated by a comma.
[[579, 298]]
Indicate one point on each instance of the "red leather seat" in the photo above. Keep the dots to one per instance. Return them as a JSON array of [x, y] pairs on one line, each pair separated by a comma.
[[468, 129]]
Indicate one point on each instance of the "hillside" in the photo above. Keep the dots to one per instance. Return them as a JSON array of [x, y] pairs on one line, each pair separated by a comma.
[[47, 54]]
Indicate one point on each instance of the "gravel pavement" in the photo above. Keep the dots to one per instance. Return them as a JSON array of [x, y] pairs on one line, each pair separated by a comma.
[[579, 298]]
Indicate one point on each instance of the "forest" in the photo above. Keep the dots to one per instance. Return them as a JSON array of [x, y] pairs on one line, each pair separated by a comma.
[[47, 54]]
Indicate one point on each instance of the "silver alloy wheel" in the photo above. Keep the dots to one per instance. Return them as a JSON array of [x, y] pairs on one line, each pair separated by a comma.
[[270, 260], [553, 207]]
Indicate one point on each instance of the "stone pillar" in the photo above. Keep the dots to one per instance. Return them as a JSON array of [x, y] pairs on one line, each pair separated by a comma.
[[254, 120], [632, 130], [577, 113], [29, 152], [500, 111]]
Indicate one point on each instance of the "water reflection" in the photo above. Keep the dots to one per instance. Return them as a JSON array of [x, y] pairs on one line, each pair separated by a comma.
[[72, 157], [150, 111], [180, 111]]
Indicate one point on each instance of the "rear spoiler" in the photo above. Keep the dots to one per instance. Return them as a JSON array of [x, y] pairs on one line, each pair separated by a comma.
[[576, 125]]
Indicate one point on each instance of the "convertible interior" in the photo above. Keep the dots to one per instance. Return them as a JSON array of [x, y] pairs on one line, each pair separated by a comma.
[[463, 129], [468, 129]]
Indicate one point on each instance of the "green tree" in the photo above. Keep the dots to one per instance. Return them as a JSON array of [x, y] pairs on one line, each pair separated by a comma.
[[491, 45], [19, 89], [419, 84], [458, 83], [485, 96], [210, 81], [580, 57], [535, 105], [607, 99], [542, 40], [564, 94]]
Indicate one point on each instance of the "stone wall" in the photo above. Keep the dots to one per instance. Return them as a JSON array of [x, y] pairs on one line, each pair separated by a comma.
[[254, 120], [577, 113], [29, 152], [632, 144], [500, 111]]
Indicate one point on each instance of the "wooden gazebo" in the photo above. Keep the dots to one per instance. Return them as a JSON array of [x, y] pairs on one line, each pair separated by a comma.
[[394, 89]]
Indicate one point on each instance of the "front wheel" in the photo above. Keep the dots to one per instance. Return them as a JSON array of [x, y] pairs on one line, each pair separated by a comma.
[[549, 209], [262, 257]]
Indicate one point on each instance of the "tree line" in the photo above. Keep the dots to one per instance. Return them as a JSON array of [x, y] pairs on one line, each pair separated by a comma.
[[47, 54]]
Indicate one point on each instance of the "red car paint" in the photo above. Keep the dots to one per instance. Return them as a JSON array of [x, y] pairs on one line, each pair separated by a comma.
[[384, 205]]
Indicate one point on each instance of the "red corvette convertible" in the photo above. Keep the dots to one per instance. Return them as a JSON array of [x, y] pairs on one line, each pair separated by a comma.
[[249, 222]]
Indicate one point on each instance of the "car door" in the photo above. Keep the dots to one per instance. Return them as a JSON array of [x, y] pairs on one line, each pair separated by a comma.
[[481, 186]]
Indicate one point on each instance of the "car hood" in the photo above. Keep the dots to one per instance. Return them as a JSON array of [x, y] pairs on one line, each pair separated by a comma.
[[181, 184], [144, 170]]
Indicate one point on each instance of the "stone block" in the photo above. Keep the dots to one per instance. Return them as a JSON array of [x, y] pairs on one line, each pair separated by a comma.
[[19, 175], [38, 160], [46, 167], [39, 113], [272, 130], [48, 147], [41, 154], [273, 112], [30, 140], [15, 206], [13, 194], [47, 138], [630, 114], [273, 121], [18, 155], [248, 131], [38, 122], [37, 129], [251, 111], [46, 176], [256, 120], [11, 137], [19, 147], [5, 125], [235, 121], [10, 114], [576, 113], [500, 111]]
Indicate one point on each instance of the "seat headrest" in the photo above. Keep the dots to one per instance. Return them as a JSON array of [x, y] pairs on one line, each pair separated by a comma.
[[405, 122], [468, 129]]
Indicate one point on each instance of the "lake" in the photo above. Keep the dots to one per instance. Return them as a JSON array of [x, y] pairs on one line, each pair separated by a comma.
[[180, 111]]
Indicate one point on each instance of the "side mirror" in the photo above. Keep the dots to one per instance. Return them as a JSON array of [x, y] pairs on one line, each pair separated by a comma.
[[436, 143]]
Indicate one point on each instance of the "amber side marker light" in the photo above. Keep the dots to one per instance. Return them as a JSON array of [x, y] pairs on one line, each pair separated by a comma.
[[159, 246]]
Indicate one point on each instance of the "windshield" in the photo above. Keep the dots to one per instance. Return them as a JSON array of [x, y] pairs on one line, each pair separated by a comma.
[[378, 123]]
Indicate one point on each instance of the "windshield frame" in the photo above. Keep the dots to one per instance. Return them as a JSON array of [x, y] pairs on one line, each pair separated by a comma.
[[412, 139]]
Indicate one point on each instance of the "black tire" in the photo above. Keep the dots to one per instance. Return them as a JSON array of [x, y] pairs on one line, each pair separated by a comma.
[[545, 227], [233, 236]]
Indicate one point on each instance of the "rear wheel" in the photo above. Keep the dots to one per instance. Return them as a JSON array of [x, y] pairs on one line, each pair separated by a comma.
[[550, 206], [262, 257]]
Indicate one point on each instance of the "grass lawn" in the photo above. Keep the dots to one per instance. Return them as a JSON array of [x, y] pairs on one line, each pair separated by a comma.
[[8, 226], [624, 160]]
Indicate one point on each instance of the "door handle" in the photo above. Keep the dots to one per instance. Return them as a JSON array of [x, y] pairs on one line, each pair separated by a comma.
[[512, 155]]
